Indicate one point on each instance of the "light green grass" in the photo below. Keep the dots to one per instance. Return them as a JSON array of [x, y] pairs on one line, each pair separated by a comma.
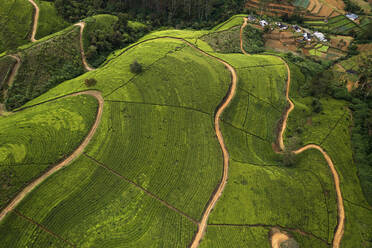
[[157, 131], [236, 20], [36, 138], [136, 25], [91, 207]]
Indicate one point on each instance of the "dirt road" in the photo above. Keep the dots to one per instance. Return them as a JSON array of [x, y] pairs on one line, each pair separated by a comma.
[[277, 238], [65, 162], [10, 80], [340, 204], [85, 63], [241, 35], [203, 223], [36, 20]]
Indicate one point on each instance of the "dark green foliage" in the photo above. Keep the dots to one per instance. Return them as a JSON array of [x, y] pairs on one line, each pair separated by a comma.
[[136, 67], [106, 33], [290, 243], [45, 65], [362, 144], [90, 82], [228, 41], [253, 40], [194, 14], [352, 7], [289, 159], [317, 106]]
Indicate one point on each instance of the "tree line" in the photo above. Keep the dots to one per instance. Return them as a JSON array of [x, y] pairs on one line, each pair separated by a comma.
[[196, 13]]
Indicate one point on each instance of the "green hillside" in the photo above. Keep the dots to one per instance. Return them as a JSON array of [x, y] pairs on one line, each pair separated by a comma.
[[44, 64], [154, 163], [16, 20], [35, 139]]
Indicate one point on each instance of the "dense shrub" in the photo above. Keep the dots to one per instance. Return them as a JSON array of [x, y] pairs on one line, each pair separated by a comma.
[[90, 82], [136, 67]]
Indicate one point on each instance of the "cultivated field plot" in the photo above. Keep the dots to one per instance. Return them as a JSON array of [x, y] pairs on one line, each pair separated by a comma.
[[255, 170], [156, 146], [336, 25], [36, 138], [15, 23]]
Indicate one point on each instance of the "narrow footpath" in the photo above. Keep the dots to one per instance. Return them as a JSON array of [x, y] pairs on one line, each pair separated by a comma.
[[36, 20], [241, 35], [10, 80], [85, 63], [65, 162]]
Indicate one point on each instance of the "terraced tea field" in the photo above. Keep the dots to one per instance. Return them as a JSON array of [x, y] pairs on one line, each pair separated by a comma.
[[185, 153]]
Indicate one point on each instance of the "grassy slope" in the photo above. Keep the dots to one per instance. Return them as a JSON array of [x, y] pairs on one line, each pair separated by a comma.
[[35, 138], [45, 64], [17, 18], [173, 152], [15, 23], [134, 101], [260, 190], [331, 129]]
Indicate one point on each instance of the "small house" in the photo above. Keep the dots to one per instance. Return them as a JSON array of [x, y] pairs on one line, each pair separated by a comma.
[[320, 36], [263, 23], [352, 16]]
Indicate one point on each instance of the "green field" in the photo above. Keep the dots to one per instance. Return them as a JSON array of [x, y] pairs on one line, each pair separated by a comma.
[[151, 168], [34, 139], [185, 156], [236, 20]]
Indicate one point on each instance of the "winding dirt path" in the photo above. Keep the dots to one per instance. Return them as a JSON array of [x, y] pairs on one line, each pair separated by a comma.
[[81, 24], [85, 63], [340, 204], [36, 20], [279, 238], [222, 107], [65, 162], [10, 80], [241, 35]]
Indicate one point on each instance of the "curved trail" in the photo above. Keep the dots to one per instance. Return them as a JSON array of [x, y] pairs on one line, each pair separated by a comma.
[[241, 35], [277, 239], [81, 24], [85, 63], [65, 162], [340, 204], [36, 20], [222, 107], [10, 80]]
